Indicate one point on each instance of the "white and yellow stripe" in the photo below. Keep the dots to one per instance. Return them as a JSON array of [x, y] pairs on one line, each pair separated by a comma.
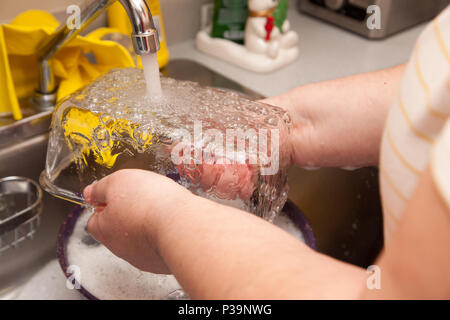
[[415, 126]]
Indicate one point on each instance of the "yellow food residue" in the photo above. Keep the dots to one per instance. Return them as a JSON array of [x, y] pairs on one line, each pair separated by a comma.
[[97, 134]]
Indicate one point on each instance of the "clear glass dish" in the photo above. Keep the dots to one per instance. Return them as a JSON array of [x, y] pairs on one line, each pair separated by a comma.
[[217, 144]]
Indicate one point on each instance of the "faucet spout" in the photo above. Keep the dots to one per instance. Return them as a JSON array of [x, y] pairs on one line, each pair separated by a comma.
[[144, 36]]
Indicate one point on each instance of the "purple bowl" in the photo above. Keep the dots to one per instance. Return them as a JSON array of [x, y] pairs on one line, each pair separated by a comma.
[[67, 228]]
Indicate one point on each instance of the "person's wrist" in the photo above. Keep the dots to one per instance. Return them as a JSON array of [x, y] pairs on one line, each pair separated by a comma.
[[163, 220]]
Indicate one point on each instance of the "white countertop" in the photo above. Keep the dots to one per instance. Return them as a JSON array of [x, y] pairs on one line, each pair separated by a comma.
[[326, 52]]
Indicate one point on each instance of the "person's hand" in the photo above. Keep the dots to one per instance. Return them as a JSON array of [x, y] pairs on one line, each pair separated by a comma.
[[130, 207], [223, 178], [302, 137]]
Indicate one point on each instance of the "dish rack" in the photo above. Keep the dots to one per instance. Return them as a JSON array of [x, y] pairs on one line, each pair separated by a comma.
[[20, 211]]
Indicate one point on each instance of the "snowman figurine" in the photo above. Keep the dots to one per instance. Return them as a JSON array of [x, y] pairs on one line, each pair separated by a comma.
[[269, 42], [262, 35]]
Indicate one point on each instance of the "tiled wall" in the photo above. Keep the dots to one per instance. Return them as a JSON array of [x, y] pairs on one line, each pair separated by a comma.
[[181, 17]]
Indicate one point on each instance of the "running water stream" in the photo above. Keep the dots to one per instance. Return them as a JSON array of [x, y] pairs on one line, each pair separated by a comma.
[[151, 74]]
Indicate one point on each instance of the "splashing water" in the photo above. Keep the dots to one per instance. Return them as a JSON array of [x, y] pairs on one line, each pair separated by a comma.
[[151, 74]]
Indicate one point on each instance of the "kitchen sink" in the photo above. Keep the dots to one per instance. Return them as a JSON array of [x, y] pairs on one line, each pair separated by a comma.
[[342, 206], [23, 148]]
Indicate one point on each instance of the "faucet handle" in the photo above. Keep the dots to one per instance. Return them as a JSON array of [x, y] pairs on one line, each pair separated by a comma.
[[145, 40]]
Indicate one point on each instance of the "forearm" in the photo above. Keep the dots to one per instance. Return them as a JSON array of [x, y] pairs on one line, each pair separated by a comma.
[[340, 122], [417, 262], [220, 252]]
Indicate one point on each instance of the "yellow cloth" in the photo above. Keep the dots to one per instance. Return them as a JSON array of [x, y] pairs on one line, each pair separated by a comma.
[[19, 41]]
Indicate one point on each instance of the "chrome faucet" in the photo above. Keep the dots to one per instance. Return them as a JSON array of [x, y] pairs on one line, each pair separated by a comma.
[[145, 41]]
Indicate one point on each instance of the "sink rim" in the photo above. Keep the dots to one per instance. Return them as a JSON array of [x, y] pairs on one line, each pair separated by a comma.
[[25, 128]]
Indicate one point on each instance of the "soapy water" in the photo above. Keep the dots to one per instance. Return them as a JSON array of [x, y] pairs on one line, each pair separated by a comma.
[[113, 124], [106, 276]]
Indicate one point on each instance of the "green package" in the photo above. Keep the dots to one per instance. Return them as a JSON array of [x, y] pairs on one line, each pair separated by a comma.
[[229, 20], [280, 14]]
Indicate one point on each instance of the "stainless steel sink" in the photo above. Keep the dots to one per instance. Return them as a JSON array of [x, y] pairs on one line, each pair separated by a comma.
[[342, 206], [23, 147]]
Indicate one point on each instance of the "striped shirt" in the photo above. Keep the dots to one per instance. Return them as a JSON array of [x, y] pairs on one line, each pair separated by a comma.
[[417, 132]]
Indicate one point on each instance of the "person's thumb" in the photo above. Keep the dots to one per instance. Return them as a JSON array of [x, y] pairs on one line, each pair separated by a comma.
[[95, 194], [94, 226]]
